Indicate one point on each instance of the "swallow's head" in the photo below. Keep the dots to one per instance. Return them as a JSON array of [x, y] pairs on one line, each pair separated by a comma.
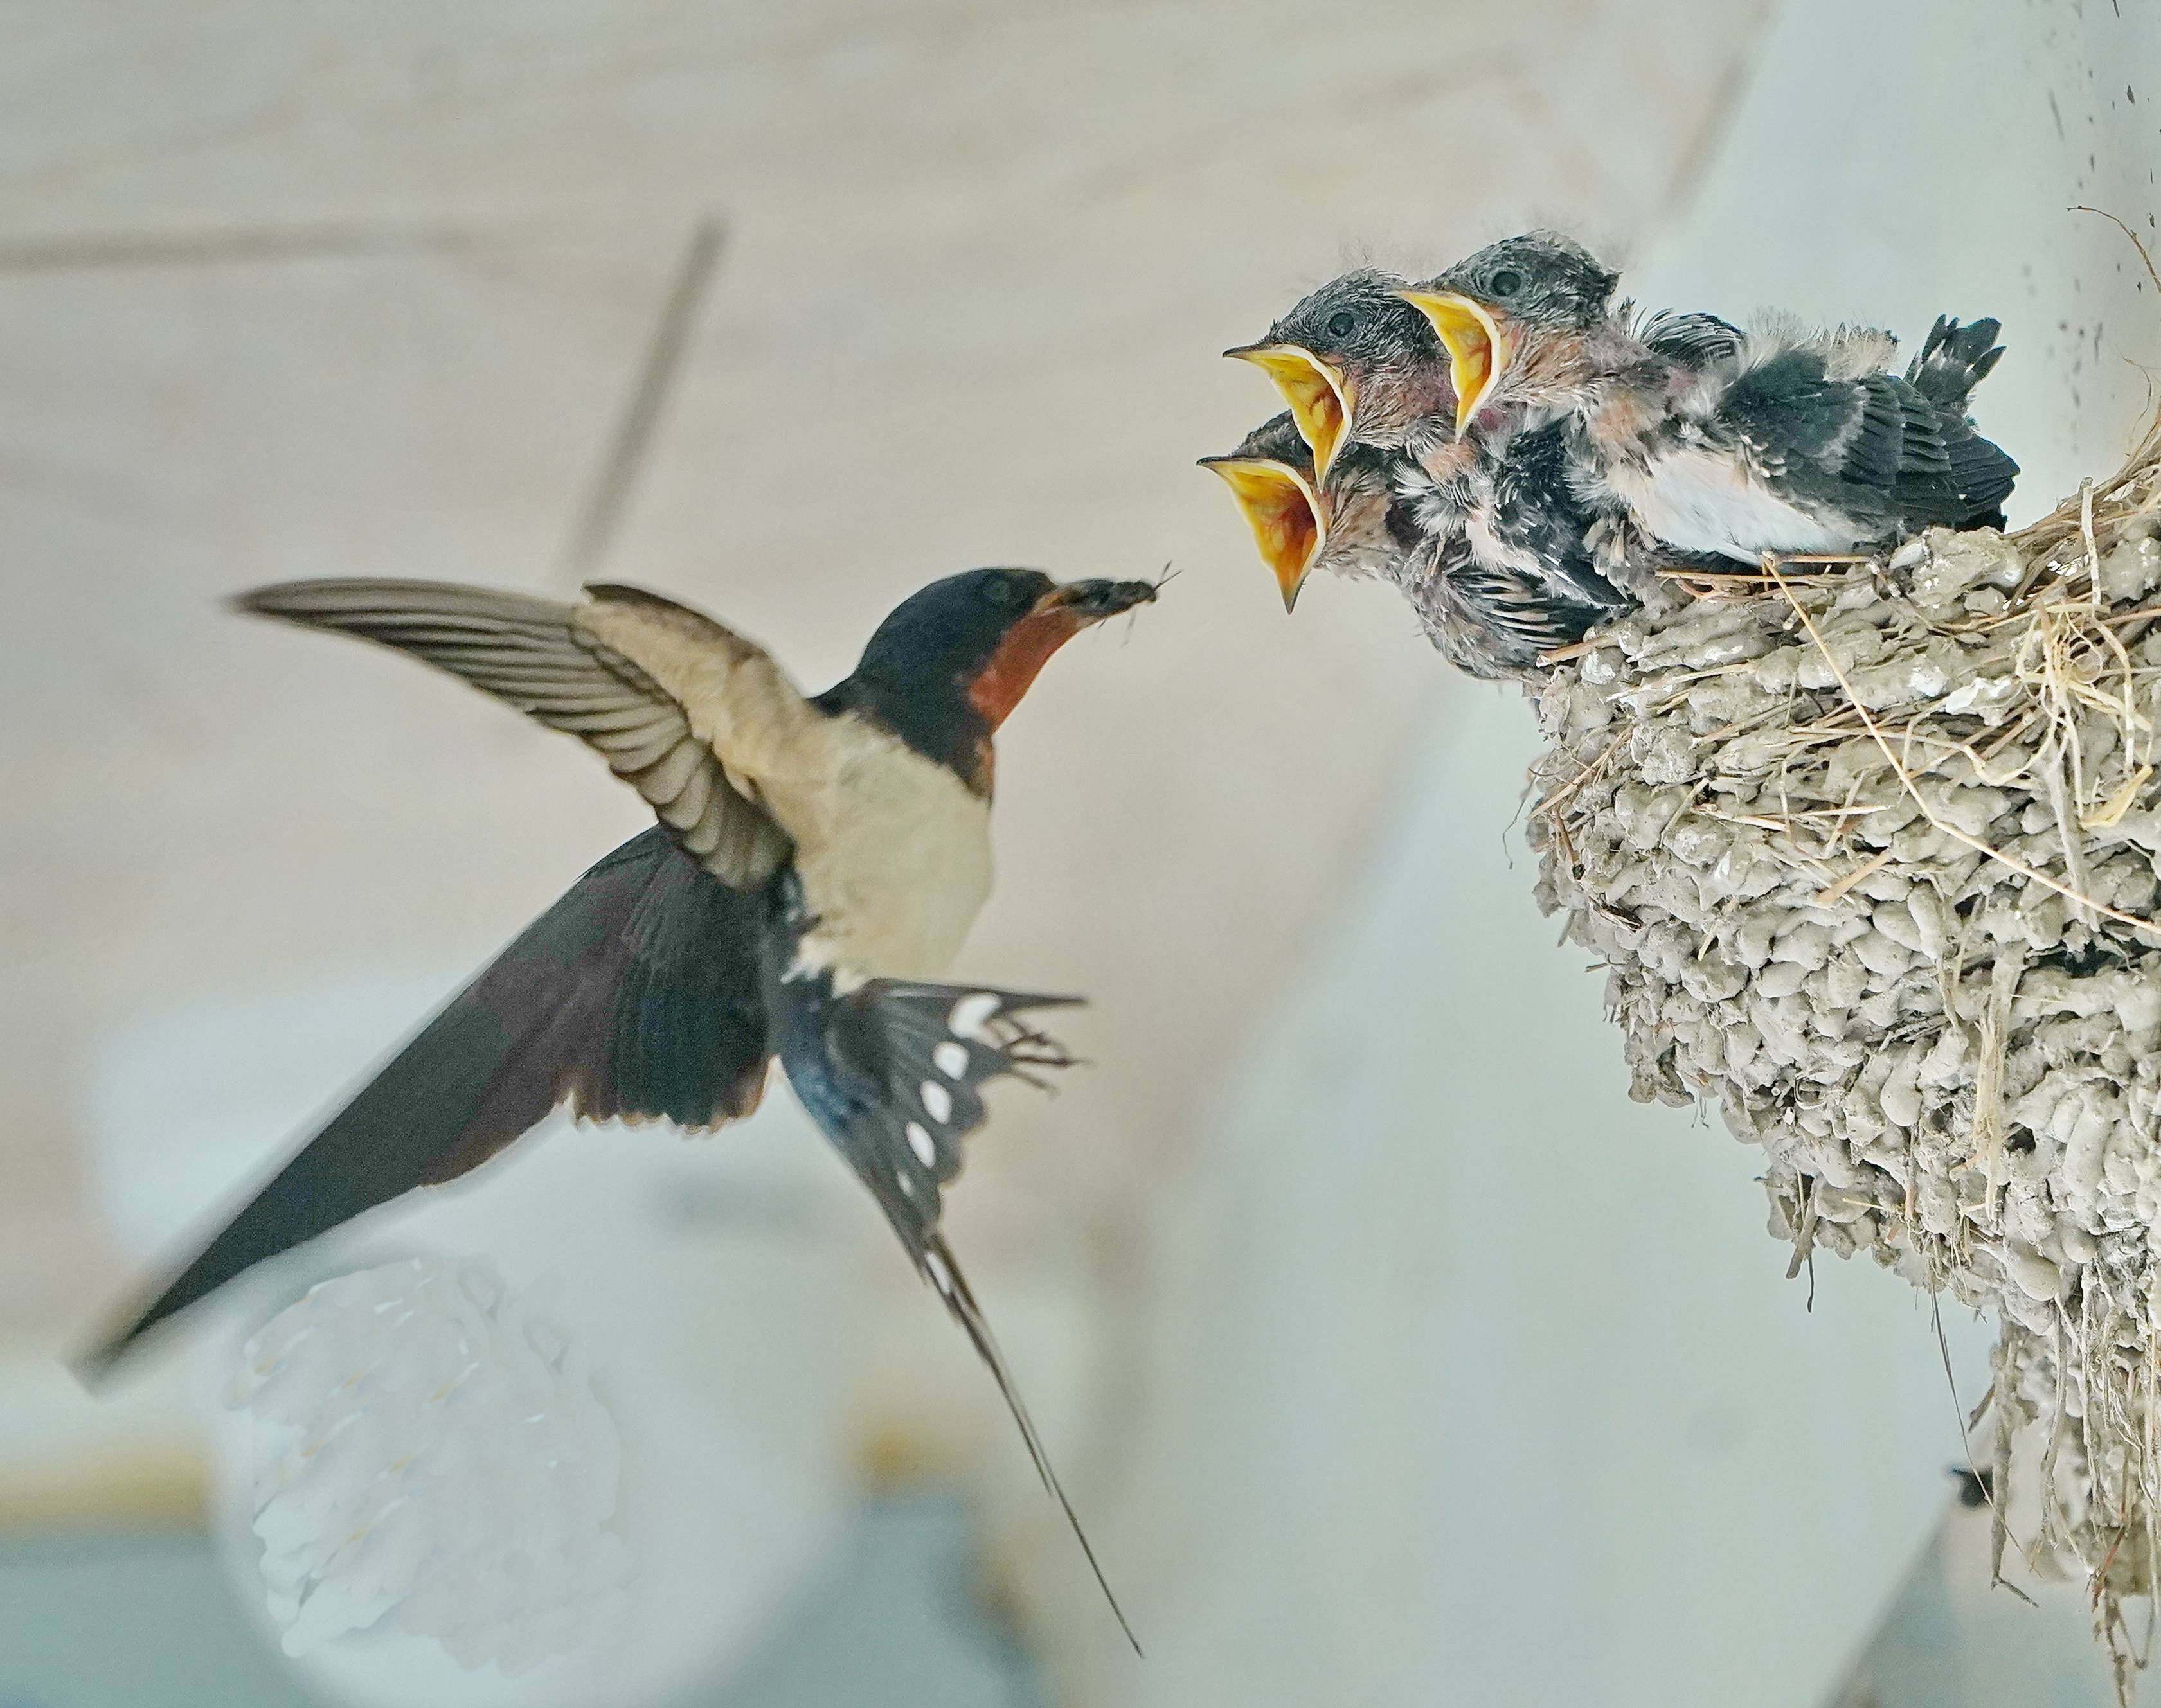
[[1354, 361], [950, 661], [1270, 474], [1496, 311]]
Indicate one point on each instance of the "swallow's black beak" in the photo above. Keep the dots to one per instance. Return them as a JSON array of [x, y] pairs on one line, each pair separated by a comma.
[[1093, 601]]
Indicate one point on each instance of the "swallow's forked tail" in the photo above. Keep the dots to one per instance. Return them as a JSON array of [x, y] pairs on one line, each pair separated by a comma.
[[892, 1071], [1953, 360]]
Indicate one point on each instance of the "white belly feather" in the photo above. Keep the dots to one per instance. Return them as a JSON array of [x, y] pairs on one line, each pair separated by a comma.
[[894, 853], [1700, 501]]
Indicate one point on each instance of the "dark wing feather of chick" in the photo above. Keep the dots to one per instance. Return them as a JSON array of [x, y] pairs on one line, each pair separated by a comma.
[[1876, 447]]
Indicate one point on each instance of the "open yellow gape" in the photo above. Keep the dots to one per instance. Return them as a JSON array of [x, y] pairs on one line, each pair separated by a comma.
[[1283, 512], [1319, 398], [1477, 346]]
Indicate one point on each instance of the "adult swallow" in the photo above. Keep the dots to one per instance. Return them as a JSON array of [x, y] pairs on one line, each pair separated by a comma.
[[1798, 442], [817, 863]]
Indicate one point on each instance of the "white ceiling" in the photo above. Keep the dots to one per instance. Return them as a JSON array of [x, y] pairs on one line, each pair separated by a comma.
[[315, 290]]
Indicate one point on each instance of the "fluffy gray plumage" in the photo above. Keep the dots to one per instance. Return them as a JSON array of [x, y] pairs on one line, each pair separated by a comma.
[[1791, 440]]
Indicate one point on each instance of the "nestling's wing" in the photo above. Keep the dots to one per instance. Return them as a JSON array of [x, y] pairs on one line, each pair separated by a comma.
[[647, 683], [1538, 513], [1493, 622], [1694, 340], [1953, 360], [1877, 446], [640, 994], [1515, 618]]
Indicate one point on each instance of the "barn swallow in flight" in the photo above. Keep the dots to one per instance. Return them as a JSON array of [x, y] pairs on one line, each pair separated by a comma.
[[1795, 443], [817, 861]]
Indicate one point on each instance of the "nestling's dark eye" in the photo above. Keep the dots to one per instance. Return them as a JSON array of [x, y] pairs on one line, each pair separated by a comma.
[[1507, 282], [1341, 323]]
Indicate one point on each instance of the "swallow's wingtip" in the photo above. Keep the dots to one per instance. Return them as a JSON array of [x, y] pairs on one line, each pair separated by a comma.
[[92, 1363], [271, 599]]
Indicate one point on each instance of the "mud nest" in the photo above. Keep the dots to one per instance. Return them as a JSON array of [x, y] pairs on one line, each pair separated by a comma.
[[1869, 852]]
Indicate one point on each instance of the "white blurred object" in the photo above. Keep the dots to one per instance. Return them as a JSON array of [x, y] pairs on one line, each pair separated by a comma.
[[426, 1442], [711, 1282]]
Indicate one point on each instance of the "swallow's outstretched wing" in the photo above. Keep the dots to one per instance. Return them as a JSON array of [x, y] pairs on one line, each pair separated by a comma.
[[682, 707], [638, 995]]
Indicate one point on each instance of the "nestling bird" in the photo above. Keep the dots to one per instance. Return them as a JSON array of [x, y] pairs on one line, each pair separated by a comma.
[[1270, 475], [1514, 542], [1485, 615], [1351, 526], [1794, 442], [1354, 362], [817, 861], [1489, 535]]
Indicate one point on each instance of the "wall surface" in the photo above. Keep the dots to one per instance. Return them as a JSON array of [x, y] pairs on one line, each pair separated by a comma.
[[1491, 1385], [1535, 1415], [292, 290]]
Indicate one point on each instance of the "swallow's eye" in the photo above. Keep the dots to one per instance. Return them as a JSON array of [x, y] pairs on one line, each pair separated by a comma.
[[1507, 282], [1341, 323], [1004, 593]]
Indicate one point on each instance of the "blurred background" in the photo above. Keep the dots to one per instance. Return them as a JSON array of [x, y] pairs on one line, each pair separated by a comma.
[[1391, 1356]]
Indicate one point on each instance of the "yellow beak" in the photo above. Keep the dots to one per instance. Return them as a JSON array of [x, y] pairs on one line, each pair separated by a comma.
[[1280, 508], [1320, 398], [1477, 348]]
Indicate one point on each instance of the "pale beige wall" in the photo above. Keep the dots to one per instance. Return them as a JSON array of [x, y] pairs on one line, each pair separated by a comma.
[[978, 263]]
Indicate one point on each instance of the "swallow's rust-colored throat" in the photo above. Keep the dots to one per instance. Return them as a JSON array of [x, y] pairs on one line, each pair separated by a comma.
[[1009, 672], [1056, 618]]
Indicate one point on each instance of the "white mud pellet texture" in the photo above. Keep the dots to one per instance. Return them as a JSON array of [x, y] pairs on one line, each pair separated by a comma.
[[1868, 853]]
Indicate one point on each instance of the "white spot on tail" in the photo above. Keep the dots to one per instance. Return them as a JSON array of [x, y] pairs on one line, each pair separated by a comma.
[[918, 1141], [938, 1273], [969, 1014], [951, 1059], [938, 1101]]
